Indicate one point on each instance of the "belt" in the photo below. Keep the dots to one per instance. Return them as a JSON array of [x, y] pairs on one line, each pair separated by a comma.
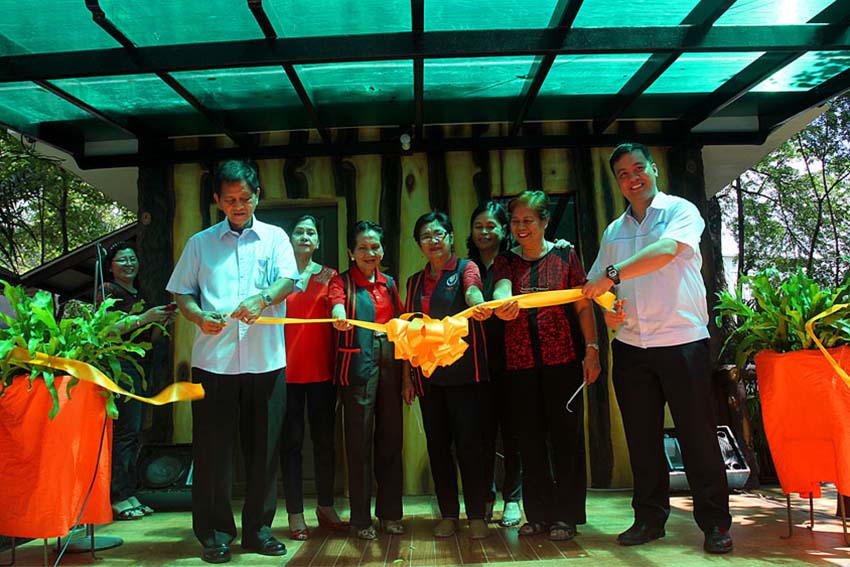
[[380, 334]]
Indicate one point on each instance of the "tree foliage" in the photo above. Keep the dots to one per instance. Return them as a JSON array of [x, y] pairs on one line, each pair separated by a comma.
[[46, 211], [795, 203]]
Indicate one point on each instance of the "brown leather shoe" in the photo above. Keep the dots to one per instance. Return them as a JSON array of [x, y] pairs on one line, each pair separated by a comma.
[[445, 527], [478, 529]]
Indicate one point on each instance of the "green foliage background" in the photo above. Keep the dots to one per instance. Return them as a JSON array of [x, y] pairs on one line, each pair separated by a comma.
[[46, 211]]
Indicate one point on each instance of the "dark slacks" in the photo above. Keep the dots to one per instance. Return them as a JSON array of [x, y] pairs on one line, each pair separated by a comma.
[[126, 438], [254, 406], [453, 417], [319, 398], [644, 379], [551, 439], [373, 416], [500, 423]]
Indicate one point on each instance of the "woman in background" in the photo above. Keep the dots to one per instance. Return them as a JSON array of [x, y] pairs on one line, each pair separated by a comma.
[[309, 384], [123, 263], [489, 235], [368, 377]]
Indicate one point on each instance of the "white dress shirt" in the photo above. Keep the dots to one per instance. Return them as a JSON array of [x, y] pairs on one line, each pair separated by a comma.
[[221, 267], [666, 307]]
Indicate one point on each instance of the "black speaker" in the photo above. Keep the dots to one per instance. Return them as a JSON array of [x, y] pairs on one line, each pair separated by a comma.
[[737, 470], [165, 476]]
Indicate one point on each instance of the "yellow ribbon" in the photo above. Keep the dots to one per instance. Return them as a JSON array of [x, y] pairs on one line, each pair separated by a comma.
[[810, 330], [430, 343], [177, 392]]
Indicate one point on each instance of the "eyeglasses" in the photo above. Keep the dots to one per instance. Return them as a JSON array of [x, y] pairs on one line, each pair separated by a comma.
[[436, 236], [126, 261]]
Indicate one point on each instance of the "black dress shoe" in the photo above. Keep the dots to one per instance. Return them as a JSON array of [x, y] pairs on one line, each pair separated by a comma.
[[217, 553], [718, 540], [269, 546], [639, 534]]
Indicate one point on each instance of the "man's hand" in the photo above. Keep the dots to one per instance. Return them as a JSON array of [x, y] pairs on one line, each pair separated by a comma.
[[507, 311], [617, 315], [250, 309], [211, 323], [594, 288]]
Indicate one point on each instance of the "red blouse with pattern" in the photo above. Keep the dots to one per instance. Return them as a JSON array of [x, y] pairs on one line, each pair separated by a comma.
[[540, 337], [310, 348]]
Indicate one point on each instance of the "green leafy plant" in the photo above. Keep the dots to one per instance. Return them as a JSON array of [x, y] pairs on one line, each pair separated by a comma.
[[90, 338], [776, 316]]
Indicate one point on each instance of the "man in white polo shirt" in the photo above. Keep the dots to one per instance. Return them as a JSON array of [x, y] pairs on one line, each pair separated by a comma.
[[651, 254], [226, 277]]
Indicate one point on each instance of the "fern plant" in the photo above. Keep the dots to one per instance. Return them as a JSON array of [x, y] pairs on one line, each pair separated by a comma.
[[776, 316], [90, 338]]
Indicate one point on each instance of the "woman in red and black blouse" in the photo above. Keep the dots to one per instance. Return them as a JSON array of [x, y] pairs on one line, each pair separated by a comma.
[[452, 398], [549, 351], [309, 384], [369, 380]]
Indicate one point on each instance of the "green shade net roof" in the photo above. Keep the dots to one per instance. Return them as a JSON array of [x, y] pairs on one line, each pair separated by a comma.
[[75, 72]]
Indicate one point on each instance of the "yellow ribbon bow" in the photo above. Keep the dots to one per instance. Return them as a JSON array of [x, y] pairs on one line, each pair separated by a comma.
[[430, 343], [810, 330]]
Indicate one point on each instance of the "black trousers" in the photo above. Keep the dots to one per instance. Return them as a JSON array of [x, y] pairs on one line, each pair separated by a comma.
[[453, 416], [644, 379], [551, 440], [254, 406], [319, 399], [126, 438], [373, 416], [500, 423]]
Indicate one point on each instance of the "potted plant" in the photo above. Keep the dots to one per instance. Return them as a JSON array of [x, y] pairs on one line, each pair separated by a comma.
[[804, 392], [90, 338]]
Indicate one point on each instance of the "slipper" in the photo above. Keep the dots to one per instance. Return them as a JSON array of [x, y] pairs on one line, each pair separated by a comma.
[[533, 528], [146, 510], [126, 511], [562, 531]]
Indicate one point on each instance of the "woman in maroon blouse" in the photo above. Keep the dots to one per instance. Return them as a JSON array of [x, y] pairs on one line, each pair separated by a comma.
[[123, 264], [309, 385], [549, 351]]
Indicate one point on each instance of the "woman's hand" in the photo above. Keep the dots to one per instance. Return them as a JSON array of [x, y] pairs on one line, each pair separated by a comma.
[[338, 313], [508, 311], [408, 394], [480, 313], [591, 365], [562, 243], [615, 317]]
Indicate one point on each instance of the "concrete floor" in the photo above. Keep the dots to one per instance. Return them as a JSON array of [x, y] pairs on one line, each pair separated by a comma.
[[759, 520]]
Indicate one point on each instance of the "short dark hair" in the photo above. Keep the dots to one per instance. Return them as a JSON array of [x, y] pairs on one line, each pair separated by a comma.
[[115, 249], [303, 218], [497, 211], [428, 218], [235, 171], [361, 227], [536, 200], [628, 148]]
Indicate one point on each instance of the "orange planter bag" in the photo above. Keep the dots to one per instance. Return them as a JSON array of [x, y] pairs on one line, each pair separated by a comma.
[[806, 410], [47, 466]]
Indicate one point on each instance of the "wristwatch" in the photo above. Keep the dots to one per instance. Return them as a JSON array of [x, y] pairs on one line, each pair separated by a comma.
[[267, 298], [591, 345], [613, 274]]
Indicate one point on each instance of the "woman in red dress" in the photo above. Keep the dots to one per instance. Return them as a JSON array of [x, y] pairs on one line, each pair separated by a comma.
[[309, 385]]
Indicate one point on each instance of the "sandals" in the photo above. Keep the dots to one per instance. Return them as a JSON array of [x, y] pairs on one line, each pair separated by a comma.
[[533, 528], [364, 533], [562, 531], [125, 510], [334, 525], [146, 510]]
